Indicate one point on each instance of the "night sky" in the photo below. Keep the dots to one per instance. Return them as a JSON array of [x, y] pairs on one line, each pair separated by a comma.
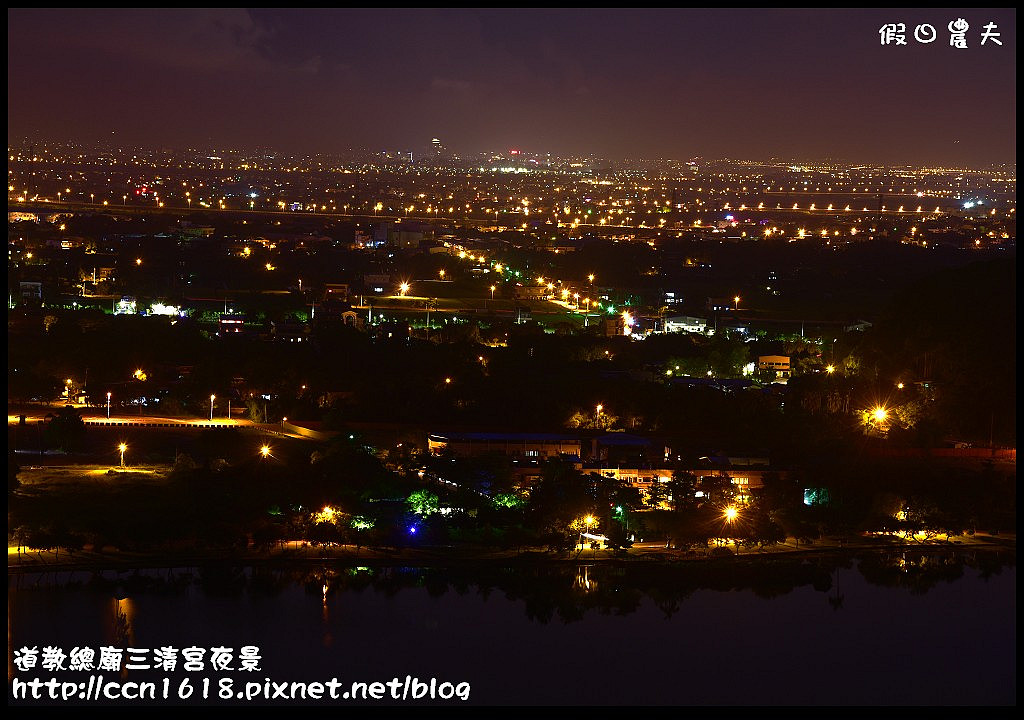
[[741, 84]]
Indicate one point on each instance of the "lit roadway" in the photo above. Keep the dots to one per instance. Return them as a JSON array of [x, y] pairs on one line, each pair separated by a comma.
[[137, 420], [510, 219]]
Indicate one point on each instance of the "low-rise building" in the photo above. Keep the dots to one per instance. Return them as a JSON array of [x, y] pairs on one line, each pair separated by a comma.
[[231, 324], [777, 363], [514, 445], [685, 323]]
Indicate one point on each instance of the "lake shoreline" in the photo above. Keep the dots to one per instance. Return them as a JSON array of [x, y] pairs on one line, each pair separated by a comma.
[[45, 561]]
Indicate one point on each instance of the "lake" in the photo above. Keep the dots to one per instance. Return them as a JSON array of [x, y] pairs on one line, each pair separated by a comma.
[[889, 628]]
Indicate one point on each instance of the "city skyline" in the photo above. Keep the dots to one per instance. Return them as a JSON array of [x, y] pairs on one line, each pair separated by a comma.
[[731, 83]]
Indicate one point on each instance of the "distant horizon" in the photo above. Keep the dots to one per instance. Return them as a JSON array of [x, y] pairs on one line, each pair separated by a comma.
[[106, 145]]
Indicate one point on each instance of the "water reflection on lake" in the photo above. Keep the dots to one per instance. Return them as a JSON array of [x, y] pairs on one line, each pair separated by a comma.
[[897, 628]]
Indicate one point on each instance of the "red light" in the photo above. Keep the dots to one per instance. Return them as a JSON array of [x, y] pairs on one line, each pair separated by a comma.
[[514, 152]]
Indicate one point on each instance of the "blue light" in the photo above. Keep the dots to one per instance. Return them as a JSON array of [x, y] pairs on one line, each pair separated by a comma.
[[412, 531]]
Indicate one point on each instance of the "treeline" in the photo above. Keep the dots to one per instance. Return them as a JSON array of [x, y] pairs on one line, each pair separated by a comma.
[[349, 494]]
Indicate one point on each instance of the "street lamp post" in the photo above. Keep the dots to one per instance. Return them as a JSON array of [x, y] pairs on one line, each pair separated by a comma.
[[730, 514], [212, 397], [737, 301], [588, 522], [108, 406], [122, 447]]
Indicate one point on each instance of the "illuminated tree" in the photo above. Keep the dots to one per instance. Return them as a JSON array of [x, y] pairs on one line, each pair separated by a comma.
[[509, 501], [657, 493], [423, 502]]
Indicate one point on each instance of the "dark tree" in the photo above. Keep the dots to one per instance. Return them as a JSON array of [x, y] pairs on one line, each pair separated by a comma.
[[682, 488], [66, 430]]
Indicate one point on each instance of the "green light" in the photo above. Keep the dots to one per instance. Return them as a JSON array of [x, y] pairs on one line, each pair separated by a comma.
[[508, 501], [359, 522]]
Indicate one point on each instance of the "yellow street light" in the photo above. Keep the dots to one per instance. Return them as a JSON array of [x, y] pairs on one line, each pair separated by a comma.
[[730, 513], [265, 451], [403, 288], [880, 414], [830, 369], [122, 447]]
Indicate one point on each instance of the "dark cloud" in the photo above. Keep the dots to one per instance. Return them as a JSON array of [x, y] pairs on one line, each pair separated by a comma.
[[738, 83]]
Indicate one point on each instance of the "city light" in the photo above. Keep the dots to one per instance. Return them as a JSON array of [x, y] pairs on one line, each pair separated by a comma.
[[725, 449]]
